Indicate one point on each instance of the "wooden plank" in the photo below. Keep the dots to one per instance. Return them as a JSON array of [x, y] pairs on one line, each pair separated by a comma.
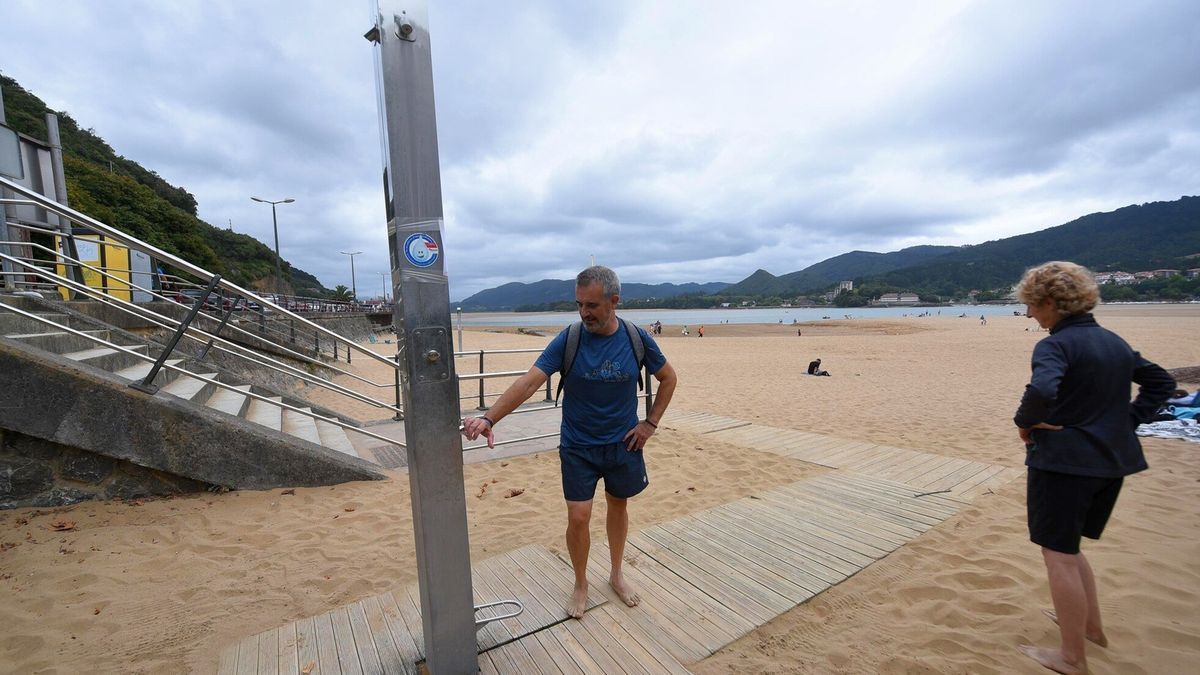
[[656, 658], [866, 457], [410, 650], [875, 507], [888, 533], [228, 662], [364, 640], [541, 610], [556, 578], [488, 666], [843, 562], [930, 463], [558, 654], [344, 640], [306, 645], [689, 622], [496, 632], [247, 662], [512, 658], [715, 577], [937, 504], [608, 645], [810, 572], [981, 477], [901, 498], [591, 647], [883, 463], [579, 653], [408, 601], [951, 480], [838, 535], [327, 654], [750, 561], [289, 659], [847, 453], [391, 658], [911, 464], [817, 561], [761, 547], [791, 514], [539, 656]]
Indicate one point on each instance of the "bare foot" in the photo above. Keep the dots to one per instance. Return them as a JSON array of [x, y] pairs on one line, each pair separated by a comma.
[[1052, 659], [1098, 639], [624, 591], [579, 601]]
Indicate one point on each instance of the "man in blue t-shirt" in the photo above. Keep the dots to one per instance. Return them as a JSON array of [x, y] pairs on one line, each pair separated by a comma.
[[601, 436]]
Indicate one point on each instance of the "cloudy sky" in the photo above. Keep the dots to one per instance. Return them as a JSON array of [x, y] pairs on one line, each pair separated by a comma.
[[674, 141]]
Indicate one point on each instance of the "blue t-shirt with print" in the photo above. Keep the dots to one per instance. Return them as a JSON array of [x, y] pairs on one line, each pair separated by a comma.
[[600, 403]]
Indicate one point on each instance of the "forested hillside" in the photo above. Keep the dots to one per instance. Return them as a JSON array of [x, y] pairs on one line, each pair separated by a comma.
[[120, 192]]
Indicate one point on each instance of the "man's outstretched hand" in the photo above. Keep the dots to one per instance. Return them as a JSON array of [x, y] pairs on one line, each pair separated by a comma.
[[474, 427]]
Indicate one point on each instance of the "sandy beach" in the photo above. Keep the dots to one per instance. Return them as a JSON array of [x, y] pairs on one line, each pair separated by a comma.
[[162, 585]]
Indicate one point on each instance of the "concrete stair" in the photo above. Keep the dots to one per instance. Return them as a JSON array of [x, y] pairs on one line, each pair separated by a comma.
[[233, 399]]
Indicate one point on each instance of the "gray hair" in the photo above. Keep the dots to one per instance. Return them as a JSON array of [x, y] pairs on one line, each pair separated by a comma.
[[599, 274]]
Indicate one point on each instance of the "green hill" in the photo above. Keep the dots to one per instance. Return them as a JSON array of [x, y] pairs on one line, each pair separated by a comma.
[[1157, 235], [120, 192], [832, 270]]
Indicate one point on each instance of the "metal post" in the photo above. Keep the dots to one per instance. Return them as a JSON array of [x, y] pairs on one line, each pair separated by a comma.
[[429, 387], [8, 278], [482, 404], [353, 282], [147, 385], [460, 340]]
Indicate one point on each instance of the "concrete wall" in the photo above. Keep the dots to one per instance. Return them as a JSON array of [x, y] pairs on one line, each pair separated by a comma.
[[37, 472]]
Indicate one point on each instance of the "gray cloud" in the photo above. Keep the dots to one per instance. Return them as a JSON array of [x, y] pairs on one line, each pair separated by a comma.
[[676, 141]]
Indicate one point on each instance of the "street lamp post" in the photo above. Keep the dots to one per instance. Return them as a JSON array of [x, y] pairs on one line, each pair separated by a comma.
[[383, 285], [353, 283], [275, 226]]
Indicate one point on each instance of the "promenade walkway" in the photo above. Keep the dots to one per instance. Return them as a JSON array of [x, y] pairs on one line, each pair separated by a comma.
[[706, 579]]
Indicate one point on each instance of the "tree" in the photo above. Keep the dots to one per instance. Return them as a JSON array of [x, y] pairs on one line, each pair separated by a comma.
[[341, 294]]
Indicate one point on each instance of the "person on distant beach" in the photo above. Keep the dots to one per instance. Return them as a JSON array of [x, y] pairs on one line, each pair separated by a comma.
[[701, 331], [685, 330], [814, 368], [982, 320], [1077, 424], [600, 436]]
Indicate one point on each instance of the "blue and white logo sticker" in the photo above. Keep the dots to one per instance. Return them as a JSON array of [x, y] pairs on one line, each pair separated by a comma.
[[420, 249]]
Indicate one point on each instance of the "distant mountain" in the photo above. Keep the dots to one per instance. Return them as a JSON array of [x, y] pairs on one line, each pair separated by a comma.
[[547, 291], [839, 268], [1156, 235]]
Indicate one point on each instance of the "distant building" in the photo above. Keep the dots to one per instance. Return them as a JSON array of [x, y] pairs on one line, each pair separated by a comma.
[[1193, 273], [1143, 275], [1163, 274], [845, 286], [897, 299]]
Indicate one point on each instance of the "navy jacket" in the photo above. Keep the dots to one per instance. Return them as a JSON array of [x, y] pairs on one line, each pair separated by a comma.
[[1081, 381]]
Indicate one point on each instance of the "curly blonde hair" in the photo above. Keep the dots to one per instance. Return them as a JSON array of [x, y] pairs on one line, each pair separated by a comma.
[[1072, 287]]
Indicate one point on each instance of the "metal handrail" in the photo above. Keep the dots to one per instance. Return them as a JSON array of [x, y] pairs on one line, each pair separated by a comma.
[[227, 346], [198, 376], [175, 261]]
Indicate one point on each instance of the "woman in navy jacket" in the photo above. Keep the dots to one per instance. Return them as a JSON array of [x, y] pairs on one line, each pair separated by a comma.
[[1078, 423]]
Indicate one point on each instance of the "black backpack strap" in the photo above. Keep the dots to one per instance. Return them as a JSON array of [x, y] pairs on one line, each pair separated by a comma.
[[570, 349], [638, 346]]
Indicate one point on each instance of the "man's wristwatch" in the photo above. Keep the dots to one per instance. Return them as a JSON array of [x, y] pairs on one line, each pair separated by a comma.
[[487, 419]]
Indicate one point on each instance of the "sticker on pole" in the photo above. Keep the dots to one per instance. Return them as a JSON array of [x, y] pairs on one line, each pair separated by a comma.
[[421, 250]]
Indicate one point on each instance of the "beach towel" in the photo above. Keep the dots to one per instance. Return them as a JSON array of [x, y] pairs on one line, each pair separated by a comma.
[[1188, 430], [1183, 413]]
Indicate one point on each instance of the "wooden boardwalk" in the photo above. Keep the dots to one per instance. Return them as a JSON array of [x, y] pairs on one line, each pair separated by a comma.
[[706, 579], [926, 472]]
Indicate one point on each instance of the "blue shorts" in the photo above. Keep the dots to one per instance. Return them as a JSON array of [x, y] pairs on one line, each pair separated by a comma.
[[623, 471]]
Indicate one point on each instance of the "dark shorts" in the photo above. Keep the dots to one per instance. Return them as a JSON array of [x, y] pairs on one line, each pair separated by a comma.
[[624, 472], [1062, 508]]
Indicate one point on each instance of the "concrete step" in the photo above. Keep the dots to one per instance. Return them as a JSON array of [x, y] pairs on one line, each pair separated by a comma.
[[60, 342], [16, 323], [232, 401], [107, 358], [300, 426], [267, 414], [334, 438], [191, 388], [139, 371]]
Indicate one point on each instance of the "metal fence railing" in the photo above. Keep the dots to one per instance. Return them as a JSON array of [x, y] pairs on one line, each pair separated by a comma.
[[218, 314]]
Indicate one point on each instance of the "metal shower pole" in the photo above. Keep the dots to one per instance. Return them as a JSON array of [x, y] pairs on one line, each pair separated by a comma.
[[421, 316]]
